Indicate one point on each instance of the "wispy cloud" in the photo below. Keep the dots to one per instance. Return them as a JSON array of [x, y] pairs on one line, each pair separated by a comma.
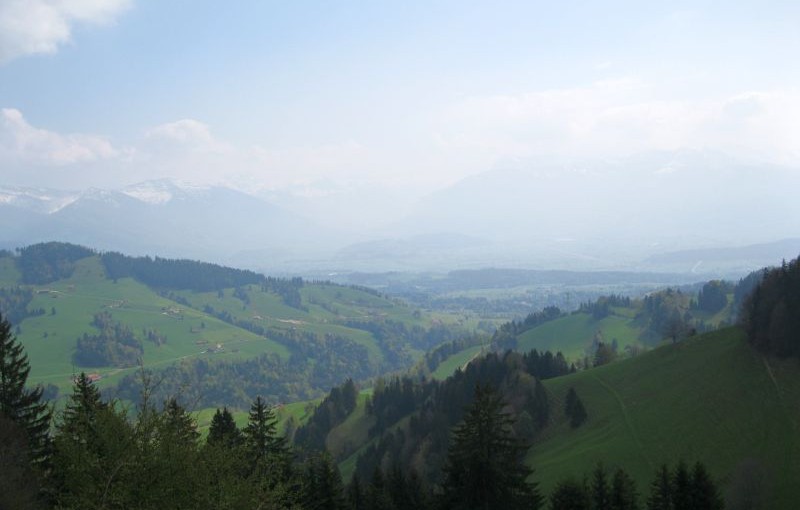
[[188, 134], [24, 143], [622, 117], [29, 27]]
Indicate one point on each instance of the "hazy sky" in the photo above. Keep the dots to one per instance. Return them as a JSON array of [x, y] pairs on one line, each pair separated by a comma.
[[414, 94]]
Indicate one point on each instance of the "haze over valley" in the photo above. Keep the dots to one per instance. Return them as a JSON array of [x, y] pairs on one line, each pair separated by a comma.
[[416, 255]]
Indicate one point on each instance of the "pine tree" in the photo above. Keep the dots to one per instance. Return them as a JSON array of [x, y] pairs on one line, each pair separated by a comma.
[[261, 429], [21, 405], [94, 453], [485, 467], [623, 492], [704, 495], [19, 487], [355, 494], [660, 490], [81, 410], [266, 451], [541, 406], [601, 494], [570, 495], [681, 487], [377, 493], [178, 425], [573, 408], [322, 485], [223, 430]]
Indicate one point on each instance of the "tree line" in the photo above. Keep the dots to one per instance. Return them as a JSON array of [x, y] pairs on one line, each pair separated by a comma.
[[771, 313]]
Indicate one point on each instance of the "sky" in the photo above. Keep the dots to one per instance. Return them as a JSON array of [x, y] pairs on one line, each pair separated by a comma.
[[321, 97]]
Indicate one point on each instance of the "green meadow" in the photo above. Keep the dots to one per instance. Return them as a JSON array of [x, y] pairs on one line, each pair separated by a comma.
[[574, 333], [710, 398], [70, 305]]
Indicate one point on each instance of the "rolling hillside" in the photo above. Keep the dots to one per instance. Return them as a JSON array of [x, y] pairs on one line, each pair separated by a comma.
[[710, 398], [180, 313]]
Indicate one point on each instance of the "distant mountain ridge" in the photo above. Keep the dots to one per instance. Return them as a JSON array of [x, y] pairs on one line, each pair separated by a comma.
[[160, 216], [766, 252]]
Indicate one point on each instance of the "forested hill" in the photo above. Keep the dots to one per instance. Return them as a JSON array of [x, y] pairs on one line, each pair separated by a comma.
[[215, 335], [771, 313], [627, 325], [729, 398]]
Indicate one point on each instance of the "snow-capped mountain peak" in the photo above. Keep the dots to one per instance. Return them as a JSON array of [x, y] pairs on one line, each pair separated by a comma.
[[162, 191], [40, 200]]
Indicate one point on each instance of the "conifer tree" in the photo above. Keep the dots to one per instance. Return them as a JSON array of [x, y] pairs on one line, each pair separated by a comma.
[[355, 494], [681, 487], [623, 492], [377, 493], [601, 493], [574, 409], [485, 466], [704, 494], [80, 412], [223, 430], [19, 487], [267, 452], [21, 405], [178, 425], [322, 485], [660, 490], [570, 495], [94, 453]]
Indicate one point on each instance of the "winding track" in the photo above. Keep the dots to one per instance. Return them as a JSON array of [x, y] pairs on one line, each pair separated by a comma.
[[628, 422]]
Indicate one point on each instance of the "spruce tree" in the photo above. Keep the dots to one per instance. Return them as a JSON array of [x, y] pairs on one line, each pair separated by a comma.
[[267, 452], [355, 494], [573, 408], [601, 493], [623, 492], [570, 495], [377, 494], [704, 494], [22, 405], [178, 425], [485, 465], [660, 490], [681, 487], [322, 485], [261, 430], [81, 410], [223, 430], [19, 487]]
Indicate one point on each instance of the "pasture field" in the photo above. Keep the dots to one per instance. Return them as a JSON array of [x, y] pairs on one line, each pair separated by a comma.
[[711, 398], [573, 334], [182, 316]]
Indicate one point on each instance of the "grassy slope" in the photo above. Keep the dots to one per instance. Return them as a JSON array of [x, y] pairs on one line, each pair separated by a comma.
[[9, 275], [50, 339], [353, 431], [573, 333], [87, 292], [711, 398], [328, 307], [448, 367]]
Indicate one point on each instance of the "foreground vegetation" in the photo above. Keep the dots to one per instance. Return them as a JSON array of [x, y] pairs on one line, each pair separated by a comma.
[[99, 457]]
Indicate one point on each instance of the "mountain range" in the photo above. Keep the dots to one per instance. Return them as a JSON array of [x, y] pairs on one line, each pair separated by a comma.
[[586, 215]]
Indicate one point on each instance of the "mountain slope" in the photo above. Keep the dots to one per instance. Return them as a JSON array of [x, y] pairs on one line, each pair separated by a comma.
[[159, 217], [712, 398]]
